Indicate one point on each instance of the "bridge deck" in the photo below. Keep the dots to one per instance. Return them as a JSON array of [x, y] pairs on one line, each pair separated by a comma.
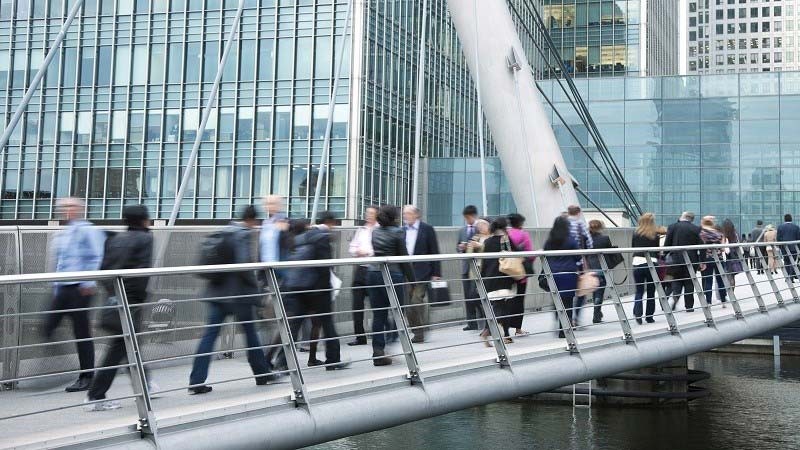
[[463, 350]]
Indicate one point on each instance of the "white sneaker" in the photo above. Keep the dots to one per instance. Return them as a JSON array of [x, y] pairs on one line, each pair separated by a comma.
[[102, 406], [152, 387]]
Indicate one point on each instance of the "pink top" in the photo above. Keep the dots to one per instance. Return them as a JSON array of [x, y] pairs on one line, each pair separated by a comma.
[[520, 240]]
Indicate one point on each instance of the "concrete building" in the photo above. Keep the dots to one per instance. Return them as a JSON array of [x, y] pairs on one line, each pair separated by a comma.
[[727, 36]]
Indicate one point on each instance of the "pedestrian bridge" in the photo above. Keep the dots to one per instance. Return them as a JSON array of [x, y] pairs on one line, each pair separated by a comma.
[[452, 370]]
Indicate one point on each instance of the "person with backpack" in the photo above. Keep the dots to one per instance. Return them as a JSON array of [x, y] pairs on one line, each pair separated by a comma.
[[311, 244], [231, 294], [131, 249], [78, 247]]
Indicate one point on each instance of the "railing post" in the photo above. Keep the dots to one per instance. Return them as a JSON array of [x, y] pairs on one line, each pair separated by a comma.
[[147, 419], [627, 331], [772, 283], [669, 314], [728, 288], [287, 340], [563, 315], [414, 373], [698, 288], [491, 319], [762, 307], [796, 272]]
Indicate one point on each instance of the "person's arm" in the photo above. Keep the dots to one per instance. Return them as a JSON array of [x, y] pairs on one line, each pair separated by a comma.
[[587, 236], [95, 242], [400, 250], [355, 244], [433, 246]]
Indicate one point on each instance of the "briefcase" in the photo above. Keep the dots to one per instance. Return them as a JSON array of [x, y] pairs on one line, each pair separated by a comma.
[[439, 293]]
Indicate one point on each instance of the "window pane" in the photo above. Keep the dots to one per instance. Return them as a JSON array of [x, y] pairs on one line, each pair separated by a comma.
[[266, 58], [140, 63], [87, 66], [119, 126], [226, 121], [283, 116], [175, 63], [264, 123], [247, 60], [153, 126], [136, 127], [285, 58], [84, 127], [193, 60], [171, 130], [69, 66], [191, 121], [302, 121], [122, 65], [304, 58], [100, 128], [66, 127], [322, 57], [104, 66], [157, 64], [320, 121], [210, 61], [244, 127]]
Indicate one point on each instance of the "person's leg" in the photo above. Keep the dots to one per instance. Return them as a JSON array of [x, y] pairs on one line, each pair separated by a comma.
[[81, 328], [516, 306], [567, 300], [469, 311], [651, 297], [378, 299], [216, 315], [708, 281], [316, 326], [52, 320], [359, 294], [255, 356], [416, 311], [688, 294], [639, 279], [598, 297], [723, 294], [115, 354]]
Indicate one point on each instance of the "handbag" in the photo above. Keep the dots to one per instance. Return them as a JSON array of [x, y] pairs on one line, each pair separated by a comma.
[[543, 284], [614, 259], [511, 266], [587, 284], [440, 293], [500, 294]]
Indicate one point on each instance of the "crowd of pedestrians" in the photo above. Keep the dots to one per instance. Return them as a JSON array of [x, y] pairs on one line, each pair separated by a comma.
[[307, 293]]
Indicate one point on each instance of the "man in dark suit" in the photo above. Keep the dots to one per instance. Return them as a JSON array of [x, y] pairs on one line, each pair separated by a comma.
[[682, 233], [420, 240], [787, 232], [473, 304]]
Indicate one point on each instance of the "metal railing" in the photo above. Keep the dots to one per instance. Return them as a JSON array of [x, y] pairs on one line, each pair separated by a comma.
[[561, 325]]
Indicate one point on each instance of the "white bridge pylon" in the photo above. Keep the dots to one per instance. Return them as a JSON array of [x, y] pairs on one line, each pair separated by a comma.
[[522, 132]]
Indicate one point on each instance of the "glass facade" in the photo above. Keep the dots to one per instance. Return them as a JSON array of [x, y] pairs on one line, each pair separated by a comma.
[[596, 38], [120, 106], [726, 145]]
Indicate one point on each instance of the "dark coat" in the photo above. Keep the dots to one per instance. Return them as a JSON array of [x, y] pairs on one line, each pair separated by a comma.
[[426, 245], [787, 232], [598, 241], [311, 278], [493, 279], [391, 241], [132, 249], [242, 284], [683, 233]]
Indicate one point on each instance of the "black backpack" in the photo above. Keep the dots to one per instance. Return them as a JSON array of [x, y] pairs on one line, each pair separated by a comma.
[[216, 249], [305, 249]]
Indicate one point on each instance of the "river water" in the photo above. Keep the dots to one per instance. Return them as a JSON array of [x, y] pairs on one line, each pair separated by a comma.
[[753, 405]]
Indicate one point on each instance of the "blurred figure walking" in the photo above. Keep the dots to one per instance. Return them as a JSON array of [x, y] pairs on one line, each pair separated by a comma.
[[78, 247]]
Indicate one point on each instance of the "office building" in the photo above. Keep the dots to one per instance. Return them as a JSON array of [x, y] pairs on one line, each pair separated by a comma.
[[742, 36], [615, 38], [119, 108]]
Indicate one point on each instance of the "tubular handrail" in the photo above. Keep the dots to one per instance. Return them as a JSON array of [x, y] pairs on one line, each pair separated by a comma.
[[192, 270]]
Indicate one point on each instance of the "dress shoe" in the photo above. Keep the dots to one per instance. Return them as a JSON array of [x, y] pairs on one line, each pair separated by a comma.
[[639, 320], [314, 362], [358, 341], [82, 384], [418, 339], [469, 328], [266, 379], [378, 359], [201, 390], [650, 320]]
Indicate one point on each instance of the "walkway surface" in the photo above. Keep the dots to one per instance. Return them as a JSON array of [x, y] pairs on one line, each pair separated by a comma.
[[448, 349]]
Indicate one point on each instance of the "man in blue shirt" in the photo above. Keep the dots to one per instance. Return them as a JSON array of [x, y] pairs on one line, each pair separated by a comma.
[[78, 247]]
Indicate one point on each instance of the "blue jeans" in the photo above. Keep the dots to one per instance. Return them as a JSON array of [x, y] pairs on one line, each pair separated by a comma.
[[709, 274], [217, 312], [379, 298], [644, 282]]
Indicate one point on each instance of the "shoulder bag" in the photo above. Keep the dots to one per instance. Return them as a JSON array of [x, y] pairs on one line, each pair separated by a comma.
[[510, 266]]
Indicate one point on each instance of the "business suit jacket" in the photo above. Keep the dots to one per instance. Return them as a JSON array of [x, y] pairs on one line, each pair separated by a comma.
[[683, 233], [788, 231], [426, 245]]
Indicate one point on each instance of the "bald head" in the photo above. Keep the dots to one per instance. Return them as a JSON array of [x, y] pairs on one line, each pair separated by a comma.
[[71, 208], [274, 204]]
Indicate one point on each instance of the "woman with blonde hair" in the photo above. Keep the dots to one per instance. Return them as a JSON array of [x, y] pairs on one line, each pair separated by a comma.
[[771, 237], [645, 235]]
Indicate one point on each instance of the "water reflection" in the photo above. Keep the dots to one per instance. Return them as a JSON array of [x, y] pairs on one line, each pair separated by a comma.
[[754, 404]]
